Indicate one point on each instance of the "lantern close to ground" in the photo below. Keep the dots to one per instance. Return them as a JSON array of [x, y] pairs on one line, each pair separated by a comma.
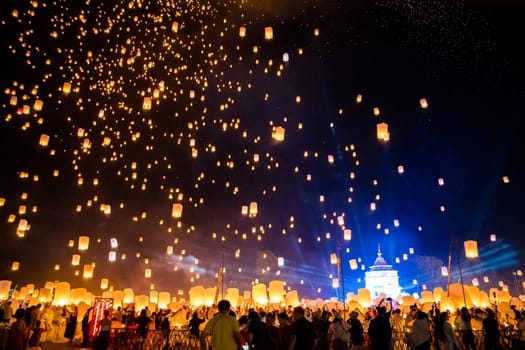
[[276, 291], [62, 294], [363, 297], [471, 249], [259, 294], [5, 287]]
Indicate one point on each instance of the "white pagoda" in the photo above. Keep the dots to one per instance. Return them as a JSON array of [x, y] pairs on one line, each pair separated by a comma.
[[381, 278]]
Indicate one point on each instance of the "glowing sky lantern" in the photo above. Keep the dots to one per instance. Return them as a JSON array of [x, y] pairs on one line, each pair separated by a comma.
[[382, 132], [278, 133], [75, 260], [423, 103], [471, 249], [242, 31], [44, 140], [292, 298], [259, 294], [280, 261], [112, 255], [244, 210], [444, 271], [113, 243], [83, 243], [88, 271], [141, 302], [196, 294], [376, 111], [175, 26], [335, 283], [253, 209], [5, 286], [153, 296], [62, 294], [129, 296], [363, 297], [147, 273], [209, 296], [286, 57], [176, 210], [15, 265], [359, 98], [232, 295], [333, 259], [164, 299], [401, 169], [104, 283], [268, 33], [276, 291], [347, 234], [146, 103], [66, 88], [353, 264]]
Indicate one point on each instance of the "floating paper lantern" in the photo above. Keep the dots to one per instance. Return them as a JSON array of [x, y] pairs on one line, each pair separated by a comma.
[[38, 105], [66, 88], [146, 103], [359, 98], [493, 238], [401, 169], [112, 255], [244, 210], [286, 57], [382, 132], [83, 243], [114, 243], [278, 133], [44, 140], [44, 295], [268, 33], [280, 261], [164, 299], [347, 234], [259, 294], [427, 297], [276, 291], [15, 265], [242, 31], [363, 297], [104, 283], [147, 273], [22, 225], [176, 210], [5, 287], [153, 296], [333, 259], [62, 294], [423, 103], [175, 26], [141, 302], [88, 271], [353, 264], [129, 296], [75, 260], [444, 271], [335, 283], [471, 249], [169, 250], [376, 111], [292, 298], [209, 296], [232, 295], [196, 296], [253, 209]]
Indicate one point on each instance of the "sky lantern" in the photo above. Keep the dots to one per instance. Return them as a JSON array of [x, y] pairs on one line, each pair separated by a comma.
[[242, 31], [5, 286], [62, 294], [104, 283], [37, 106], [286, 57], [147, 273], [244, 210], [363, 297], [259, 293], [353, 264], [232, 295], [292, 298], [75, 260], [333, 259], [493, 237], [347, 234], [88, 271], [471, 249], [129, 296], [316, 32], [423, 103], [253, 209], [278, 133], [441, 181], [44, 140], [400, 169], [112, 255], [113, 242], [268, 33], [506, 179], [427, 297], [141, 302], [376, 111], [15, 266], [164, 299], [13, 100], [153, 296], [280, 261], [382, 132], [359, 98], [209, 296], [66, 88], [175, 26], [196, 294], [83, 243], [335, 283], [276, 291], [146, 103], [176, 210], [444, 271]]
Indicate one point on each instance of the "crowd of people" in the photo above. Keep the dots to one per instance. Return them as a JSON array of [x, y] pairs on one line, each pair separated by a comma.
[[381, 327]]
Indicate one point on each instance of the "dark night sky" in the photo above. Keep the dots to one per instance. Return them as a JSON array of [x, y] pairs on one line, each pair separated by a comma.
[[463, 57]]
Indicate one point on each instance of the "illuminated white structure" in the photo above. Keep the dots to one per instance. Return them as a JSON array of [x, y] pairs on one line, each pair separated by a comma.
[[381, 278]]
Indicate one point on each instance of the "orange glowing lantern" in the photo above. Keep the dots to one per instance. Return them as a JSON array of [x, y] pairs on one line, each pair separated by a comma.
[[353, 264], [244, 210], [242, 31], [176, 210], [104, 283], [44, 140], [75, 260], [88, 271], [493, 238], [38, 105], [333, 259], [147, 273], [15, 266], [259, 294], [196, 294], [382, 132], [5, 287], [62, 294], [292, 298], [268, 33], [175, 26], [276, 291], [66, 88], [164, 299], [146, 103], [112, 255], [471, 249], [363, 297], [347, 234], [278, 133], [129, 296], [335, 283], [83, 243], [141, 302], [423, 103], [253, 209]]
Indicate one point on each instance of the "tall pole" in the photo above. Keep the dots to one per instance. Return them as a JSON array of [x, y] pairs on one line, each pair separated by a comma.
[[340, 268], [448, 269]]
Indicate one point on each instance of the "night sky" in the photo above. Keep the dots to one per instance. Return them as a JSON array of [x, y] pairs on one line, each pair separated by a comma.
[[451, 172]]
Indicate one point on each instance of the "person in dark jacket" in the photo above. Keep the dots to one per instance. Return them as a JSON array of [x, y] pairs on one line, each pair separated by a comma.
[[379, 331]]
